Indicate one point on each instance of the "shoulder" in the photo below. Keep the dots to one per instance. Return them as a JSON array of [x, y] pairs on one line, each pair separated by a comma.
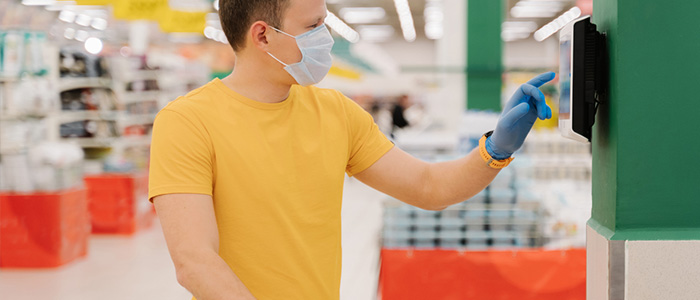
[[194, 105], [196, 99]]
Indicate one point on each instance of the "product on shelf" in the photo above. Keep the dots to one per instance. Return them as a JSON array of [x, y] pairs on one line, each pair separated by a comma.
[[79, 64], [482, 222]]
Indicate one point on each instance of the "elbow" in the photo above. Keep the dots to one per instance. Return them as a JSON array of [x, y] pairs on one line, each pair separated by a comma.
[[432, 203], [183, 274], [188, 267], [435, 207]]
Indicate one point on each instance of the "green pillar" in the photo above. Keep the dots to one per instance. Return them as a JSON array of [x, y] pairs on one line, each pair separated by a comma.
[[644, 233], [646, 141], [484, 52]]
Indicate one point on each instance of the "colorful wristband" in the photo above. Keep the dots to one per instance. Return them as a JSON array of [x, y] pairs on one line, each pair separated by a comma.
[[490, 161]]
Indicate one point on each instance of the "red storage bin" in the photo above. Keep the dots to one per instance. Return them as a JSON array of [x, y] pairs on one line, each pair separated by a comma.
[[43, 230], [521, 274], [118, 203]]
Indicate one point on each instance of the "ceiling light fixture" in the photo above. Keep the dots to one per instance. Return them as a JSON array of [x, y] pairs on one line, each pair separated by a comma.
[[93, 45], [434, 16], [341, 28], [359, 15], [536, 8], [558, 23], [406, 20]]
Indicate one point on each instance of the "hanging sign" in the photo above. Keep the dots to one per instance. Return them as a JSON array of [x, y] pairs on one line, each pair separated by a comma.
[[138, 9], [182, 21]]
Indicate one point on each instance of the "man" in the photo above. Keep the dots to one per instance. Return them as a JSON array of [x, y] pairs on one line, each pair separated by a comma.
[[247, 172], [397, 114]]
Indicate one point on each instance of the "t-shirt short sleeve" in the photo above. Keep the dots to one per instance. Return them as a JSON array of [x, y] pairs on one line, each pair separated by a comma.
[[367, 143], [181, 156]]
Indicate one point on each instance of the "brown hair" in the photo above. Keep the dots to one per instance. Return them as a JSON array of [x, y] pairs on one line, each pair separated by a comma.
[[238, 15]]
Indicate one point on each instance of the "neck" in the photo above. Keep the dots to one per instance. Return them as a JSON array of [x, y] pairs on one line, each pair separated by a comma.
[[247, 80]]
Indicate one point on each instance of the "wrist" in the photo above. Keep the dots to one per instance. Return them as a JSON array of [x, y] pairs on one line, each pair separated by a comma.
[[490, 160], [497, 155]]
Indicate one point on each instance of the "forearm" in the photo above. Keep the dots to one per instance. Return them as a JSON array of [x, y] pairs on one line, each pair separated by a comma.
[[208, 277], [454, 181]]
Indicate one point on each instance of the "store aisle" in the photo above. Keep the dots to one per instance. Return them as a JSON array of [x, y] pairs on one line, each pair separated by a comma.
[[139, 267], [116, 268]]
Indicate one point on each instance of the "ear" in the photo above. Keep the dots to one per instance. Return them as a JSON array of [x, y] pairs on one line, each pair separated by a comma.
[[259, 35]]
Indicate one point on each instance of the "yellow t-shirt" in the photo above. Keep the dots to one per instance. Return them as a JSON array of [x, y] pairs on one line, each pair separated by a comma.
[[276, 174]]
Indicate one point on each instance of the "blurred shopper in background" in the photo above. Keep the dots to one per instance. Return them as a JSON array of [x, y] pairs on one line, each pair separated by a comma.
[[397, 113], [247, 172]]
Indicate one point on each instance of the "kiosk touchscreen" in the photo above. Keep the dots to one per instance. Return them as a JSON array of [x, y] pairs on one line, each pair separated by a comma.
[[582, 78]]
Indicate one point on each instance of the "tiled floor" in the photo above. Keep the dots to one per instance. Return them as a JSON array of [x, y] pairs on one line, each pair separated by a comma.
[[139, 267], [135, 267]]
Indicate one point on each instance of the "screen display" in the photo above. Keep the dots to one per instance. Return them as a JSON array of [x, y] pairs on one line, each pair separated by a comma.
[[565, 78]]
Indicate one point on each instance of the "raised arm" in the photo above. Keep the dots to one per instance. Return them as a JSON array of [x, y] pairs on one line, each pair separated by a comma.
[[189, 226], [438, 185]]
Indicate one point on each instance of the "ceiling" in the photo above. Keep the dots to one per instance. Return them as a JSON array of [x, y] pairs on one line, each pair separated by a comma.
[[417, 10], [391, 18]]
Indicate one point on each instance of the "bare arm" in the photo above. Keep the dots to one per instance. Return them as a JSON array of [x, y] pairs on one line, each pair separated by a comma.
[[190, 230], [425, 185]]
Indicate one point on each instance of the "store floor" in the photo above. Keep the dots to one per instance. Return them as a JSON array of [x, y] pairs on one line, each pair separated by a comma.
[[139, 267]]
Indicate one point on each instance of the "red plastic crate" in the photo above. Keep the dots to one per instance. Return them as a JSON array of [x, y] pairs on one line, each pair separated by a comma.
[[495, 275], [43, 230], [118, 203]]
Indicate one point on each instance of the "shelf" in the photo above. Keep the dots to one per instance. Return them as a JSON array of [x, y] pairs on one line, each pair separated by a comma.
[[8, 79], [22, 117], [135, 140], [71, 83], [132, 119], [92, 142], [13, 149], [137, 75], [134, 97], [88, 115]]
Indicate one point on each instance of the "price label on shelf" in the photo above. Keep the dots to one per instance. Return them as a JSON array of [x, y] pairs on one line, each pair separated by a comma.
[[181, 21], [139, 9]]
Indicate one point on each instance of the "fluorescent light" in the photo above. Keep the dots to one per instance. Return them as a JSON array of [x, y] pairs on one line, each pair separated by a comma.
[[536, 8], [99, 23], [406, 19], [82, 35], [358, 15], [519, 26], [341, 28], [434, 16], [513, 36], [39, 2], [69, 33], [66, 16], [376, 33], [83, 20], [558, 23], [93, 45]]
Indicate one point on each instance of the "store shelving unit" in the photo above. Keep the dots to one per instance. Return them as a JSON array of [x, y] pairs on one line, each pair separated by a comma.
[[71, 83]]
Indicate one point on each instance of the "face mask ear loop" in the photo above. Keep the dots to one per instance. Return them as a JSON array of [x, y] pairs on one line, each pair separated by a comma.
[[282, 32], [270, 54]]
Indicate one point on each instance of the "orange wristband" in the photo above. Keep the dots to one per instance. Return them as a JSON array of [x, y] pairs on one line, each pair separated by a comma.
[[490, 161]]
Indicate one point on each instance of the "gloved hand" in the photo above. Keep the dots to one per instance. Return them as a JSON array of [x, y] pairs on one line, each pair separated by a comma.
[[518, 116]]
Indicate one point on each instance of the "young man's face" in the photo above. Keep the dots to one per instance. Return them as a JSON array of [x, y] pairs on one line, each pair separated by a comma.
[[301, 16]]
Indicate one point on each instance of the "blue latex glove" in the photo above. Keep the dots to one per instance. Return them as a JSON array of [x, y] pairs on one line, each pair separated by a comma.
[[518, 116]]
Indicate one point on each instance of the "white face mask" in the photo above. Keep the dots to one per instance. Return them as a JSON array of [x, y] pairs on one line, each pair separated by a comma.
[[315, 46]]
